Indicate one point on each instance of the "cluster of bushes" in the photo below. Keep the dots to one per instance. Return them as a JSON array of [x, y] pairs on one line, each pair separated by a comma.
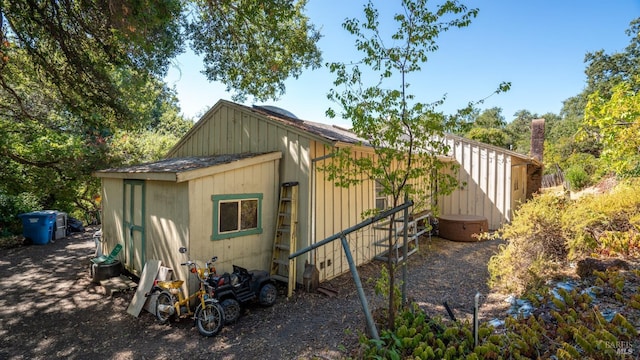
[[568, 325], [10, 207], [549, 231], [546, 234], [582, 170]]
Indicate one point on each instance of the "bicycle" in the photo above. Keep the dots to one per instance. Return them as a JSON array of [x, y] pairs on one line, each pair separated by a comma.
[[171, 302]]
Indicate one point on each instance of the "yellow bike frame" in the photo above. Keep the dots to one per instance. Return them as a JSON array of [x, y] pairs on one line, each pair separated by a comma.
[[174, 286]]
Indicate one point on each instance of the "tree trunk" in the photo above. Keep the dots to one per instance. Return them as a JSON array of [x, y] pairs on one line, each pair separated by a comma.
[[392, 313]]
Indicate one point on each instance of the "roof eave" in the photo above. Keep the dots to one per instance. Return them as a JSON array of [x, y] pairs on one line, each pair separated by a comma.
[[155, 176], [220, 168], [179, 176]]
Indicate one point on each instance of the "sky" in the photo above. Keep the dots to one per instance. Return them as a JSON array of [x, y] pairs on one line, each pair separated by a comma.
[[538, 46]]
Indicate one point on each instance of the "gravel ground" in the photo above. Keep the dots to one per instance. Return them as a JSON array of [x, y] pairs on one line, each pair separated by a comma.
[[50, 309]]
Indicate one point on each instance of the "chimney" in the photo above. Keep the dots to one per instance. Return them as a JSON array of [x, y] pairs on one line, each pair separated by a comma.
[[537, 139]]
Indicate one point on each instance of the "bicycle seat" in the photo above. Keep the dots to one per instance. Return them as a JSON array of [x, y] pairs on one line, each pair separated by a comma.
[[175, 284]]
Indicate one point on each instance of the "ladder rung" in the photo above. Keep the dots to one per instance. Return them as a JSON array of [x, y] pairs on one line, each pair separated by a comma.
[[287, 219]]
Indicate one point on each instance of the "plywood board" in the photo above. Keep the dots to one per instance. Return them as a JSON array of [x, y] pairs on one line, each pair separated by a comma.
[[164, 274], [149, 273]]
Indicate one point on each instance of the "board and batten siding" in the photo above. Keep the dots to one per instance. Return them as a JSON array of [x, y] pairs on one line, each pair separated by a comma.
[[249, 251], [167, 223], [231, 129], [491, 182], [112, 215], [166, 219], [336, 209]]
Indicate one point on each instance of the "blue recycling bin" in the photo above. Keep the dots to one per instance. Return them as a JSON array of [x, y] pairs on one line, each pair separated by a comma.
[[38, 226]]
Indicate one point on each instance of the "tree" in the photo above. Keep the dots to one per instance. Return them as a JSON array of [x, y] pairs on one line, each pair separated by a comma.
[[611, 111], [462, 121], [617, 121], [80, 77], [605, 71], [519, 131], [403, 132], [561, 134], [255, 45], [489, 128], [54, 160], [491, 118], [77, 46], [492, 136]]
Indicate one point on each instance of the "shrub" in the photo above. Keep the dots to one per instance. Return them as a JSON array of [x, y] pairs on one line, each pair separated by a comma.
[[572, 328], [549, 230], [608, 224], [10, 207], [582, 170], [535, 244], [577, 177]]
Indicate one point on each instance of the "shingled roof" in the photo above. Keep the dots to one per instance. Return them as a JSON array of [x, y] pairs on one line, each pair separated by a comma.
[[331, 133], [176, 169]]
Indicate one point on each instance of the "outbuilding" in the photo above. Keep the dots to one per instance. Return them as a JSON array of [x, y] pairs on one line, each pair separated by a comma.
[[236, 153], [154, 209], [492, 181]]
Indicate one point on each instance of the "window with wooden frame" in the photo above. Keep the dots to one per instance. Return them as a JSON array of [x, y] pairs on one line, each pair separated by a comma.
[[236, 215], [382, 200]]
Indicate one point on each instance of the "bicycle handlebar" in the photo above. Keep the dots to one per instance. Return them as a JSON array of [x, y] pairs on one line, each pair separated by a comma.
[[194, 264], [189, 262]]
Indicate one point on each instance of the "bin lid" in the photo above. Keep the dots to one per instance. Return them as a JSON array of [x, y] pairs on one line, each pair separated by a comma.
[[41, 213]]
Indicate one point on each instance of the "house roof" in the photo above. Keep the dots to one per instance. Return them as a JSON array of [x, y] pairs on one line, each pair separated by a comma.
[[335, 135], [187, 168], [330, 133], [526, 158]]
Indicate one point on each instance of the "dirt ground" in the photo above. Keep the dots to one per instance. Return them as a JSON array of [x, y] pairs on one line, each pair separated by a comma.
[[50, 309]]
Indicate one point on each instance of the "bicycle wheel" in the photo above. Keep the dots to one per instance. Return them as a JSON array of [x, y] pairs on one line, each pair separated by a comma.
[[165, 309], [209, 319]]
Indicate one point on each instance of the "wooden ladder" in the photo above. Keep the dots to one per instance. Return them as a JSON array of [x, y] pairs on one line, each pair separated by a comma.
[[285, 240]]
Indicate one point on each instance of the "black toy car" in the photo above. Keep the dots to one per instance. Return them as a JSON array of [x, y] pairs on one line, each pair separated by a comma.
[[240, 288]]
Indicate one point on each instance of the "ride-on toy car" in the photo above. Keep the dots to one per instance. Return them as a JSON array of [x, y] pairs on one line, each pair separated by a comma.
[[241, 288]]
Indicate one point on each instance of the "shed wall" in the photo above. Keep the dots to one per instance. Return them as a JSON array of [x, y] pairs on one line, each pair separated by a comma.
[[112, 206], [167, 214], [250, 251], [486, 176], [336, 209], [230, 129], [166, 219]]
